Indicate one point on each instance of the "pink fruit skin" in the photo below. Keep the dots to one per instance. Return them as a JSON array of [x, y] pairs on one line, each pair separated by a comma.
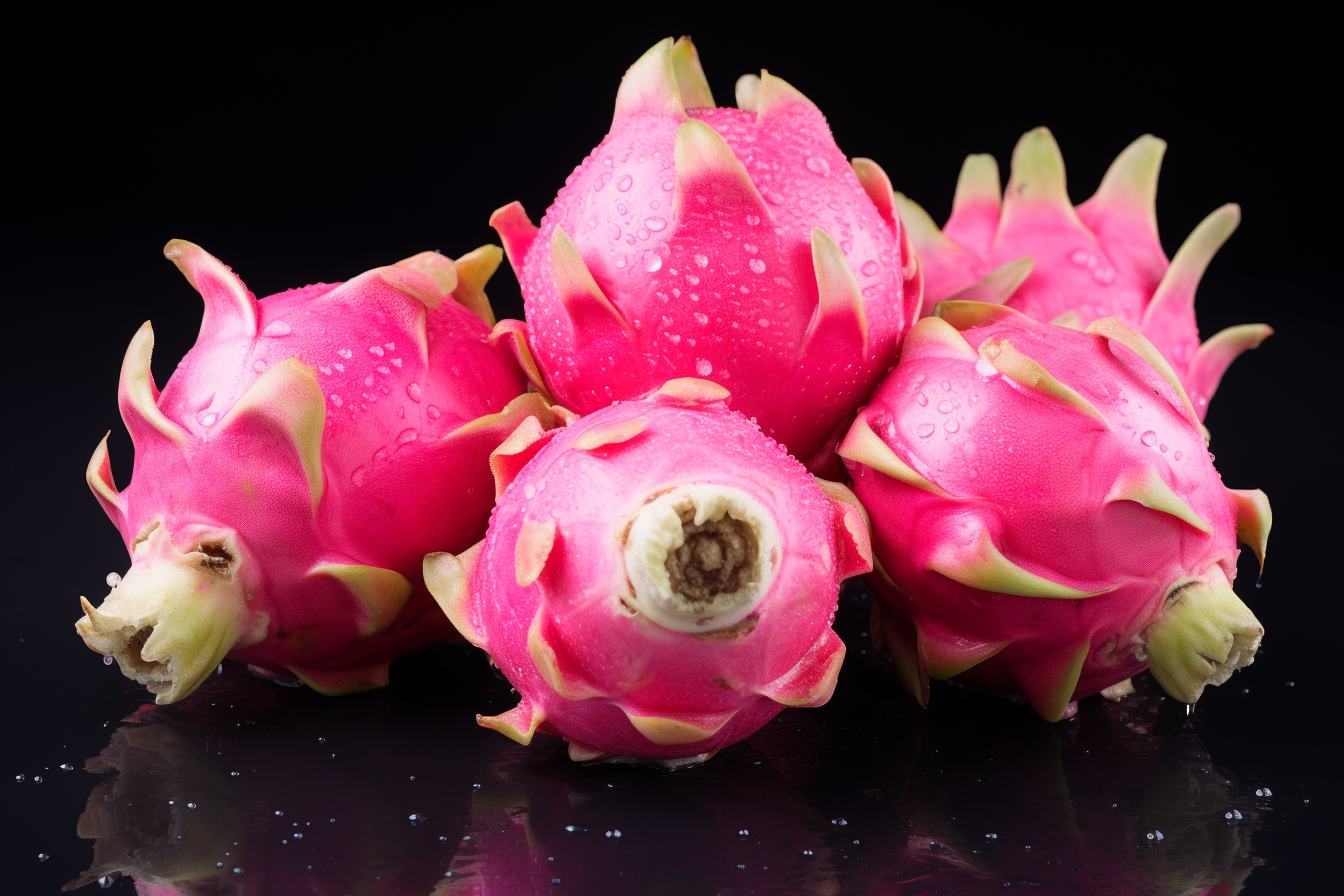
[[629, 664], [366, 444], [1100, 259], [1035, 475], [704, 249]]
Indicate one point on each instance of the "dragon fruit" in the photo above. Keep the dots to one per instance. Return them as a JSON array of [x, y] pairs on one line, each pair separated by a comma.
[[734, 245], [1046, 518], [1034, 252], [658, 580], [305, 455]]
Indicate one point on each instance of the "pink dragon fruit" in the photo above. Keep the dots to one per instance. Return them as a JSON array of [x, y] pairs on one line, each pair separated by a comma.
[[735, 245], [305, 455], [1033, 251], [658, 580], [1046, 518]]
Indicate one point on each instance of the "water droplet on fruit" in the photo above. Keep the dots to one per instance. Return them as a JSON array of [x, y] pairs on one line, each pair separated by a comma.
[[652, 262], [869, 268], [922, 399], [668, 185], [703, 367], [344, 353], [757, 266], [259, 365], [337, 400], [107, 661], [753, 220], [925, 430], [207, 418], [1149, 438], [624, 183], [1104, 276], [376, 350], [1162, 448], [432, 412], [530, 491], [407, 435], [763, 322], [620, 262], [655, 223], [1177, 455], [113, 579], [817, 165], [945, 406], [413, 391], [276, 328], [702, 261], [952, 425], [620, 208], [357, 477], [1081, 257]]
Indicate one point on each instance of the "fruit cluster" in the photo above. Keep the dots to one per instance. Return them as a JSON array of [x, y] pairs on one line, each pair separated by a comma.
[[749, 370]]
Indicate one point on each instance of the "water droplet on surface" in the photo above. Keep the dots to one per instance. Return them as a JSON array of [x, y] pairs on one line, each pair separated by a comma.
[[1081, 257], [925, 430], [652, 262], [757, 266], [1154, 836], [42, 857], [113, 579], [624, 183], [407, 435], [703, 367], [1177, 455], [655, 223], [700, 318], [922, 399], [412, 391], [345, 353], [945, 406], [276, 328], [1263, 791], [839, 822], [869, 268], [207, 418], [337, 400], [620, 262], [1149, 438], [259, 365], [106, 881], [668, 185], [107, 661], [67, 767], [530, 491], [763, 322], [357, 476], [416, 818], [817, 165], [952, 425], [1104, 276], [753, 220], [432, 412], [702, 261]]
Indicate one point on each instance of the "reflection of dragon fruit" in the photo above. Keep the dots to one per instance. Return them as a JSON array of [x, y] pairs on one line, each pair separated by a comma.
[[735, 245], [658, 580], [1046, 515], [1035, 252], [304, 456]]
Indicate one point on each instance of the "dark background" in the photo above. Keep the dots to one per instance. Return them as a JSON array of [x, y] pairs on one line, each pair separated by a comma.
[[296, 152]]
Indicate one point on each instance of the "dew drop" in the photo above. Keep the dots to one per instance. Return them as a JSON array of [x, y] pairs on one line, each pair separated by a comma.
[[668, 185], [345, 353], [1177, 455], [107, 661], [432, 412], [337, 400], [1149, 438], [757, 266], [620, 262], [952, 425], [357, 477], [276, 328], [1104, 276], [655, 223], [1081, 257], [922, 399], [620, 208], [207, 418], [412, 391], [113, 579], [652, 262], [925, 430], [407, 435], [817, 165], [869, 268], [945, 406], [702, 261], [763, 322], [624, 183], [703, 367], [259, 365], [530, 491]]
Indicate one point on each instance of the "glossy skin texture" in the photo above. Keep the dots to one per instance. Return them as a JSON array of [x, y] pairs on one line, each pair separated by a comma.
[[705, 250], [1100, 259], [1044, 482], [341, 427], [585, 660]]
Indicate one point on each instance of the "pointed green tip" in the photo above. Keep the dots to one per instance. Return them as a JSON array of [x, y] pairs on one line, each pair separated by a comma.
[[1038, 169]]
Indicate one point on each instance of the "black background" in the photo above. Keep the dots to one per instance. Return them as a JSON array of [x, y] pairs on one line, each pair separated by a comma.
[[298, 151]]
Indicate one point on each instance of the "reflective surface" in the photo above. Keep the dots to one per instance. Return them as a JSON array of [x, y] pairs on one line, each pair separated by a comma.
[[253, 787]]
